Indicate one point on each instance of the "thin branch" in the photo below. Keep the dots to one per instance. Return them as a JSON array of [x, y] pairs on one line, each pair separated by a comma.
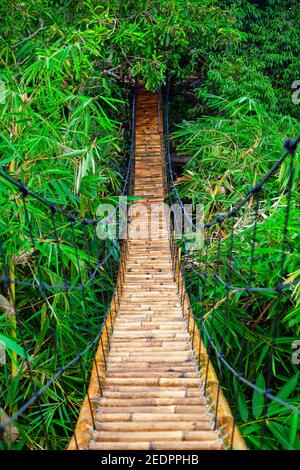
[[125, 57], [108, 73], [31, 35]]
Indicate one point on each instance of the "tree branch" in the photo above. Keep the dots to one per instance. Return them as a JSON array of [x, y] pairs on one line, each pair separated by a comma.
[[31, 35]]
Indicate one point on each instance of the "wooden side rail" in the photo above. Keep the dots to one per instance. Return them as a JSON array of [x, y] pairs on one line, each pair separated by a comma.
[[224, 418]]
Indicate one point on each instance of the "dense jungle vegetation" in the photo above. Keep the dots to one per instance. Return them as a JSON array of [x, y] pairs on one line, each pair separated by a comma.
[[66, 70]]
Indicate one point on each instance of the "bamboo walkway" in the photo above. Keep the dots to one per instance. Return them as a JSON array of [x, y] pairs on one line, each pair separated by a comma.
[[152, 396]]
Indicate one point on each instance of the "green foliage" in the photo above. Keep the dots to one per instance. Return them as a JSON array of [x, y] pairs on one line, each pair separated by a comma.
[[157, 37], [147, 39], [60, 133], [264, 64], [233, 126], [62, 64], [231, 148]]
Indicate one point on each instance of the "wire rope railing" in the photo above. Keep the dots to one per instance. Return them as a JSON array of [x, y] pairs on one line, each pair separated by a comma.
[[60, 275], [244, 336]]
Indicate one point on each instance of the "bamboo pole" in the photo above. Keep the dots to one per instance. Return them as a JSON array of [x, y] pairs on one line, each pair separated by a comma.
[[13, 330]]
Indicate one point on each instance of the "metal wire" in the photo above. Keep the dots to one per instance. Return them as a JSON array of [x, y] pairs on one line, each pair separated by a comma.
[[216, 281], [79, 234]]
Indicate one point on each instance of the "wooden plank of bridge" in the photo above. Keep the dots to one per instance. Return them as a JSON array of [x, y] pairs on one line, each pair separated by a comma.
[[152, 396]]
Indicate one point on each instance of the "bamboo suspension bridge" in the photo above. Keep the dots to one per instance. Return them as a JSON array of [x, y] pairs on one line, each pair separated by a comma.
[[152, 391], [152, 384]]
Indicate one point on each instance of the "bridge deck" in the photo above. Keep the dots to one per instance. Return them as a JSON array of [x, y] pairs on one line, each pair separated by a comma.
[[152, 397], [146, 390]]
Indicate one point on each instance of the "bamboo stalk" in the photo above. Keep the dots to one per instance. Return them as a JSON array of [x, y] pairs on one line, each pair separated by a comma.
[[13, 330], [153, 426]]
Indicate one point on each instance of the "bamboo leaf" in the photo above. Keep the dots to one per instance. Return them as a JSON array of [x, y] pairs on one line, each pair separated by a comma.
[[258, 397], [13, 346]]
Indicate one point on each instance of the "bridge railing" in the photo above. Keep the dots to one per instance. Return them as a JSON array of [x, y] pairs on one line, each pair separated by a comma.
[[62, 282], [246, 340]]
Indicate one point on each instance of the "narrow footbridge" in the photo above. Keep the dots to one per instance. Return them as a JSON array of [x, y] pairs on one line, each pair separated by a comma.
[[157, 380], [152, 394]]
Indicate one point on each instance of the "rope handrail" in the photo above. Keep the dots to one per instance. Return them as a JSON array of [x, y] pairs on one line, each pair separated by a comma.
[[289, 144], [52, 379], [291, 147], [108, 303], [54, 208], [27, 192], [207, 324], [240, 377], [277, 289]]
